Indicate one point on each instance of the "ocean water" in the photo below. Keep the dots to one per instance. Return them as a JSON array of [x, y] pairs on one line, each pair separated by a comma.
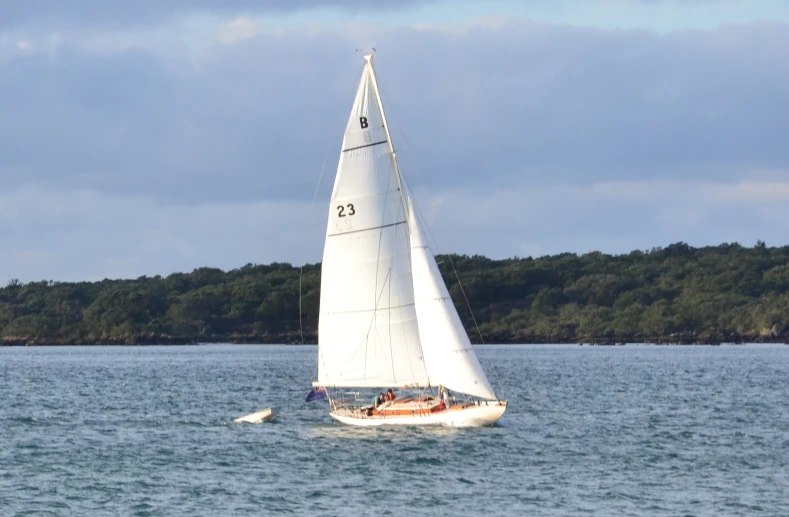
[[635, 430]]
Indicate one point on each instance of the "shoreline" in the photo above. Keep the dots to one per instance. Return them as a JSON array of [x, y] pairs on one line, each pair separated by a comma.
[[19, 344]]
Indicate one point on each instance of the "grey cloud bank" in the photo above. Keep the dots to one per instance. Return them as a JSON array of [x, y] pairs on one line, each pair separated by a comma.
[[158, 161], [121, 12], [519, 102]]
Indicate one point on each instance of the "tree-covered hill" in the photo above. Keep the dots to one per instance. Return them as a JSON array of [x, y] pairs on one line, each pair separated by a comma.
[[673, 294]]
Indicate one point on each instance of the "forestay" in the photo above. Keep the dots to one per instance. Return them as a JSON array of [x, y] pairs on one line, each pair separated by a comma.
[[368, 332], [449, 357]]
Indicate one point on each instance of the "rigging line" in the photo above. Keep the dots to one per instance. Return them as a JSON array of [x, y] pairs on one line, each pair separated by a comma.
[[402, 184], [392, 169], [400, 309], [406, 214], [304, 242], [388, 273], [397, 123], [410, 191], [377, 265], [389, 312]]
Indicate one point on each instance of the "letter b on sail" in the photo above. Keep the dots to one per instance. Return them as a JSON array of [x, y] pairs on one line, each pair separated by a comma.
[[363, 122]]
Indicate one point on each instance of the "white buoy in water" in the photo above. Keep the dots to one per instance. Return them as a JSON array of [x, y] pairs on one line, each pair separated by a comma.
[[265, 415]]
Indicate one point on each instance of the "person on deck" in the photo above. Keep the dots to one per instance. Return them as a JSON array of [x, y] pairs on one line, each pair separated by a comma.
[[444, 403], [390, 394], [381, 399]]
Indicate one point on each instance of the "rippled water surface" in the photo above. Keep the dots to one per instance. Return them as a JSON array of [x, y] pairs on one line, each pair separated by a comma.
[[634, 430]]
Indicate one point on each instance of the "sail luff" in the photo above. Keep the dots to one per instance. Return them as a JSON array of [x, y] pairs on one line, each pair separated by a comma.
[[374, 81]]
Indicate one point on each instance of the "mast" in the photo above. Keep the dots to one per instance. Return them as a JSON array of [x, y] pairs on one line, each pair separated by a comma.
[[403, 202], [369, 59]]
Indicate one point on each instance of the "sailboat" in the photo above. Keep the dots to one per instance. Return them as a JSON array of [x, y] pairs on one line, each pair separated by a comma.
[[386, 319]]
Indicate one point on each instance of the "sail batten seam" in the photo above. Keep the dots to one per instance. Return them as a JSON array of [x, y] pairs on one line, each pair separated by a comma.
[[365, 229], [363, 146]]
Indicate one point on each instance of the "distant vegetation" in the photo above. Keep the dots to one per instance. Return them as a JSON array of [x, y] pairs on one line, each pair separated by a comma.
[[673, 294]]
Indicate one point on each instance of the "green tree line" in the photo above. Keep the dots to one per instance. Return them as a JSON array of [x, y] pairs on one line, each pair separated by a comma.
[[673, 294]]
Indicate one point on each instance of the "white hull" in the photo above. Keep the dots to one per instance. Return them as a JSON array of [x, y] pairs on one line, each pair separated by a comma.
[[473, 416]]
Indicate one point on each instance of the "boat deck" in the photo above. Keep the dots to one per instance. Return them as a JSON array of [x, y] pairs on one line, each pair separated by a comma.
[[422, 412], [404, 406]]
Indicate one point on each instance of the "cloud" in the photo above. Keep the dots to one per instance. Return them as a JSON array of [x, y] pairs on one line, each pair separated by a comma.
[[86, 235], [238, 30], [122, 12], [613, 218], [518, 137], [520, 103], [742, 191]]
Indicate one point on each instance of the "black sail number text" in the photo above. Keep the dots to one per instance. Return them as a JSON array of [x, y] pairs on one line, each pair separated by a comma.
[[341, 210]]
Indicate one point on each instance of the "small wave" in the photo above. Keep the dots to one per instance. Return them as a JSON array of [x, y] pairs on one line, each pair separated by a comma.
[[24, 419], [421, 460]]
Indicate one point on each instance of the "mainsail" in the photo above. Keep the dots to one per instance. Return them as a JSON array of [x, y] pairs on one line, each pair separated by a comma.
[[386, 318], [368, 332], [449, 357]]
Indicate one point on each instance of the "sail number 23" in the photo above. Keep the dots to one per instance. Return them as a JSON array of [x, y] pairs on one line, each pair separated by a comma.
[[341, 210]]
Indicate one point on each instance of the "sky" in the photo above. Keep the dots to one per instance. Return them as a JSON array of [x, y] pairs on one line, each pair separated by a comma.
[[154, 137]]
